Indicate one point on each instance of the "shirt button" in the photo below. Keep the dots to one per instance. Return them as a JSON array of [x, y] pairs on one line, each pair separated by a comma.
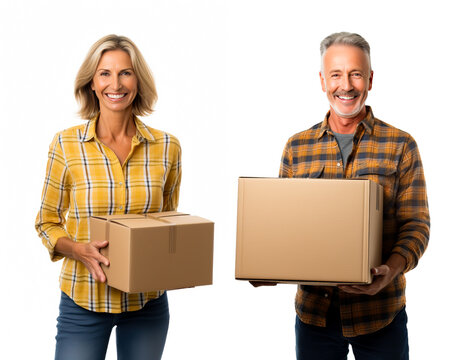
[[120, 207], [326, 295], [120, 184], [338, 164]]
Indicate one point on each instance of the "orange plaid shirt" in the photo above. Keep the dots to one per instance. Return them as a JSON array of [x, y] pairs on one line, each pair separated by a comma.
[[390, 157]]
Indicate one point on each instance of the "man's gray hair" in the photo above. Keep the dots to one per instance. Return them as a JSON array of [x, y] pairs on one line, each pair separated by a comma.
[[344, 38]]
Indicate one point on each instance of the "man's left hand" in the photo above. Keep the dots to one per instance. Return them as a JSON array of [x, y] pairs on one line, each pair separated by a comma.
[[383, 275]]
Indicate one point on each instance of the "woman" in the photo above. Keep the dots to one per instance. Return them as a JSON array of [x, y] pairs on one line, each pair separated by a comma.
[[113, 164]]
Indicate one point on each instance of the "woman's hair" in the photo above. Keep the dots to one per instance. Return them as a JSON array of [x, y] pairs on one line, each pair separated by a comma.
[[89, 104]]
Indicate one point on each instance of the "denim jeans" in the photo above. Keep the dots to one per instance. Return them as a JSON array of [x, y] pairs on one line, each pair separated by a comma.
[[84, 334], [328, 343]]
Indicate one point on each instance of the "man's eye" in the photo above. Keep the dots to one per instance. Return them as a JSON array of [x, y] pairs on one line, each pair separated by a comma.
[[356, 75], [335, 76]]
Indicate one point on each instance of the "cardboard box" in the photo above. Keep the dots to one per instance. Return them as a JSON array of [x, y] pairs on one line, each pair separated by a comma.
[[308, 231], [158, 251]]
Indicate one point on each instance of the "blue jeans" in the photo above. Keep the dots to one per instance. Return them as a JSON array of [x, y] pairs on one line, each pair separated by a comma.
[[84, 334], [328, 343]]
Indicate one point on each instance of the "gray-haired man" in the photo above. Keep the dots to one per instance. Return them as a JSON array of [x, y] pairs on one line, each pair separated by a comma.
[[352, 143]]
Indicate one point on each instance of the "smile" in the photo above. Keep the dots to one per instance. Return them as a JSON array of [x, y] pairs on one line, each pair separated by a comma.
[[116, 96], [346, 97]]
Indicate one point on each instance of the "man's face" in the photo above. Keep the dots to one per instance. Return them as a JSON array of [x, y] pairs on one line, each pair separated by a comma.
[[346, 79]]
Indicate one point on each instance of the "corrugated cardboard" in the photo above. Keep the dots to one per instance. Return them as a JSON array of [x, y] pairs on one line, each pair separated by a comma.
[[159, 251], [308, 231]]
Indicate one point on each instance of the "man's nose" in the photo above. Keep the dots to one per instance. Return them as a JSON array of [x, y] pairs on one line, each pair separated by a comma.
[[346, 83]]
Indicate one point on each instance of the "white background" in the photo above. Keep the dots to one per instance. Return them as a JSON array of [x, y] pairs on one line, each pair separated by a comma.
[[235, 79]]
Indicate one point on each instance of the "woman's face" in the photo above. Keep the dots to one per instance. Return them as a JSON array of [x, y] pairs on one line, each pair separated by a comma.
[[115, 82]]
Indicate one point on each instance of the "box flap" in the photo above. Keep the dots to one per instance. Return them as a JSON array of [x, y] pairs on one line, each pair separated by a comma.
[[118, 216], [140, 223], [165, 214], [186, 220]]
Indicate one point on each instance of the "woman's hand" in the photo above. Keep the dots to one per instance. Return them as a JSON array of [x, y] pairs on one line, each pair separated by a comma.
[[87, 253], [91, 257]]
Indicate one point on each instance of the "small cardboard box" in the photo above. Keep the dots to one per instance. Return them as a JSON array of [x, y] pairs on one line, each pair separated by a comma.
[[158, 251], [308, 231]]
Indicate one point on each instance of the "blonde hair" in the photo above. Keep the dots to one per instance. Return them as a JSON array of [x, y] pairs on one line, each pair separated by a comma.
[[89, 104]]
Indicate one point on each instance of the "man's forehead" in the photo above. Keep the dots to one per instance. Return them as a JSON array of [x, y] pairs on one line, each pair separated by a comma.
[[339, 55]]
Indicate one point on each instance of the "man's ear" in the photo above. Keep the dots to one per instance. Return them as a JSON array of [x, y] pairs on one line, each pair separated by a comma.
[[371, 78], [322, 81]]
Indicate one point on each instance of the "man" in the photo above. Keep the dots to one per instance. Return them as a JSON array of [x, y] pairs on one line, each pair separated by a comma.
[[352, 143]]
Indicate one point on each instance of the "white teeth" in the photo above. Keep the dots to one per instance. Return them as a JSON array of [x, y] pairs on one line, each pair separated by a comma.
[[346, 97], [116, 96]]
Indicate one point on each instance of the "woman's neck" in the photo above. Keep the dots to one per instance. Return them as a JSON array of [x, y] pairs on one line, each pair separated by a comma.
[[115, 125]]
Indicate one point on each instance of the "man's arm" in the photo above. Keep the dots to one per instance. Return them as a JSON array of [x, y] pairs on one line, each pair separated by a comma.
[[414, 220]]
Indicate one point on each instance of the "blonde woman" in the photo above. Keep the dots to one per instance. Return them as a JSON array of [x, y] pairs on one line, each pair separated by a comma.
[[112, 164]]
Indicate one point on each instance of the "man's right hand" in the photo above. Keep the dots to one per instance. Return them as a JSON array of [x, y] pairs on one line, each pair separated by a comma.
[[262, 283]]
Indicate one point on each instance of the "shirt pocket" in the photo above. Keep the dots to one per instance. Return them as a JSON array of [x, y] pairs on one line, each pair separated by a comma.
[[383, 173], [312, 170]]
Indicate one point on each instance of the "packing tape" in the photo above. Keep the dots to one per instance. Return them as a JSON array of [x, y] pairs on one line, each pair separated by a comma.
[[172, 232], [107, 230], [172, 238]]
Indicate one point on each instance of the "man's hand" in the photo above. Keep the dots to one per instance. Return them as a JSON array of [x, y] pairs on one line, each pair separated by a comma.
[[262, 283], [383, 275]]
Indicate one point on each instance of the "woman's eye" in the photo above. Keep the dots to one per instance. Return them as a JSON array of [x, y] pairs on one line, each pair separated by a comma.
[[127, 73], [104, 73]]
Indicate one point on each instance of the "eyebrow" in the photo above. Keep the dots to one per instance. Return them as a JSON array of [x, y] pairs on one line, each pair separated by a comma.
[[362, 71], [102, 69]]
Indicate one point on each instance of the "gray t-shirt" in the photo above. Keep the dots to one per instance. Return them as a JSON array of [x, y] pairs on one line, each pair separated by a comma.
[[345, 142]]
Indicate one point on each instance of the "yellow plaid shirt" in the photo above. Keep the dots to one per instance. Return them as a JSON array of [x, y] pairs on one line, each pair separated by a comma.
[[85, 178], [390, 157]]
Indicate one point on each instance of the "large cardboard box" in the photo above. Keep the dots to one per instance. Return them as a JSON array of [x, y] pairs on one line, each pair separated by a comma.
[[157, 251], [308, 231]]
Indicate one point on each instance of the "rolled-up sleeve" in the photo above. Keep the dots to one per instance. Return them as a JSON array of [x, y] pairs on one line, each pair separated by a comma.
[[51, 220], [412, 208]]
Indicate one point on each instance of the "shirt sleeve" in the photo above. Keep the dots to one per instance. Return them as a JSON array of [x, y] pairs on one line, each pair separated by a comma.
[[51, 218], [412, 208], [172, 184], [285, 169]]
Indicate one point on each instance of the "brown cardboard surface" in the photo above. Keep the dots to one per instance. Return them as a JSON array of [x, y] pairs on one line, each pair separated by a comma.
[[310, 231], [160, 251]]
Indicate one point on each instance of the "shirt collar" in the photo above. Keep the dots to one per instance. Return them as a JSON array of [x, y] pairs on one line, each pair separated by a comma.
[[367, 123], [88, 132]]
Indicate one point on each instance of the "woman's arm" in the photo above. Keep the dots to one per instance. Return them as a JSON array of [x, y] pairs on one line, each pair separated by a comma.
[[51, 219], [172, 184]]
